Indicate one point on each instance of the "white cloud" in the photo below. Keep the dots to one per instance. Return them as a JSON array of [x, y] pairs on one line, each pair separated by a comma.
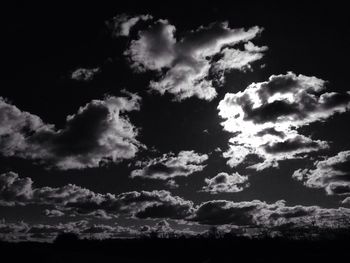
[[122, 24], [84, 74], [332, 174], [183, 65], [225, 183], [264, 118]]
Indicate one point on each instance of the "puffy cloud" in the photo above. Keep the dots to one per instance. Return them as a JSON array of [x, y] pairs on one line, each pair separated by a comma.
[[239, 59], [122, 24], [226, 183], [264, 118], [170, 166], [258, 213], [84, 74], [184, 65], [99, 132], [332, 174], [73, 199]]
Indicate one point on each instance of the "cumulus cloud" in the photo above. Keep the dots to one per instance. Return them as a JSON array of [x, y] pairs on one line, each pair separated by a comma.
[[99, 132], [170, 166], [258, 213], [332, 174], [265, 117], [84, 74], [225, 183], [122, 24], [73, 199], [184, 65]]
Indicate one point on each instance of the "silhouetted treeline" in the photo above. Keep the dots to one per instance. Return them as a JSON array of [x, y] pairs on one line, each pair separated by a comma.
[[226, 248]]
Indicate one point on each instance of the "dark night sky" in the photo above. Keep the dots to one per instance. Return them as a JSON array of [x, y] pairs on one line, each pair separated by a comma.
[[46, 42]]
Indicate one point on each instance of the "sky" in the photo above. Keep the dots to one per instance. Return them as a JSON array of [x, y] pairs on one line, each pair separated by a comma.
[[121, 119]]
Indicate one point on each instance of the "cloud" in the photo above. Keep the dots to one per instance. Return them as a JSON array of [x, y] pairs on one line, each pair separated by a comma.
[[346, 201], [170, 166], [122, 24], [20, 231], [225, 183], [73, 199], [99, 132], [184, 66], [332, 174], [239, 59], [53, 213], [265, 117], [84, 74], [258, 213]]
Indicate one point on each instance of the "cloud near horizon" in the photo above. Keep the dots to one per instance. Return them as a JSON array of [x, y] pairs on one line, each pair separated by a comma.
[[160, 204]]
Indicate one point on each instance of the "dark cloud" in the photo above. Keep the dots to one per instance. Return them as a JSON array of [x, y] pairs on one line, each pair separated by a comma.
[[225, 183], [298, 143], [72, 199], [332, 174], [99, 132], [170, 166], [184, 65], [258, 213], [265, 118]]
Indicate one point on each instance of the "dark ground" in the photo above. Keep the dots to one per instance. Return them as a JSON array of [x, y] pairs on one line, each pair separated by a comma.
[[179, 250]]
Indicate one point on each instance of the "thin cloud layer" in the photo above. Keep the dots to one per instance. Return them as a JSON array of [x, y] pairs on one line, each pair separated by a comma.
[[184, 65], [332, 174], [225, 183], [258, 213], [21, 231], [170, 166], [99, 132], [264, 118]]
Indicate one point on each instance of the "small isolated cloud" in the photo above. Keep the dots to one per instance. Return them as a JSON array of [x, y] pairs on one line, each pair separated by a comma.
[[53, 213], [171, 166], [332, 174], [265, 117], [99, 132], [184, 65], [225, 183], [122, 24], [84, 74]]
